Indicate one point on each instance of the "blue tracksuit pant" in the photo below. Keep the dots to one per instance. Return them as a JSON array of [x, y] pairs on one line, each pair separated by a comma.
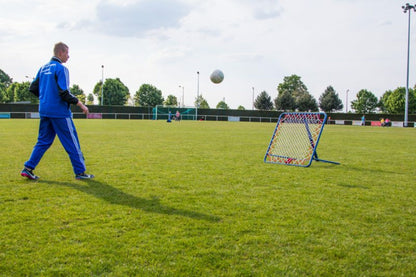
[[65, 129]]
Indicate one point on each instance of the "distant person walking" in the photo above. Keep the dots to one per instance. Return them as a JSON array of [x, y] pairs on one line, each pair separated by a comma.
[[51, 85]]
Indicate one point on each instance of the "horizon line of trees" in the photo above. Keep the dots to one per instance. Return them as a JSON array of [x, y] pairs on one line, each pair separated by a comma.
[[292, 95]]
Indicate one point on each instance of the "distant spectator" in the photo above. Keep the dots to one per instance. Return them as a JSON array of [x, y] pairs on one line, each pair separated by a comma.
[[363, 120], [382, 122], [387, 122]]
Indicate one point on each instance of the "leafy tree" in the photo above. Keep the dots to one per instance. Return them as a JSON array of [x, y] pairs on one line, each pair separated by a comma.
[[329, 100], [201, 103], [78, 92], [241, 108], [366, 102], [3, 93], [285, 102], [383, 100], [293, 87], [10, 93], [171, 100], [5, 82], [307, 102], [19, 92], [263, 102], [5, 79], [222, 105], [148, 95], [412, 100], [97, 91], [129, 101], [90, 99], [293, 84], [115, 92], [396, 100], [204, 104], [23, 94]]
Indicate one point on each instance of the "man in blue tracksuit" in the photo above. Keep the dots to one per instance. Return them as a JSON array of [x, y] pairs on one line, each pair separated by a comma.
[[51, 85]]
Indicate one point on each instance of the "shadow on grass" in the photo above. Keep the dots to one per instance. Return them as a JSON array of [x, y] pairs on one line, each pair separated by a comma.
[[353, 168], [116, 196], [351, 186], [367, 170]]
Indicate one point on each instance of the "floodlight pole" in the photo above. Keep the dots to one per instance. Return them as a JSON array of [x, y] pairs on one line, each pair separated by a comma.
[[346, 101], [197, 96], [406, 104], [183, 95], [102, 85], [253, 98]]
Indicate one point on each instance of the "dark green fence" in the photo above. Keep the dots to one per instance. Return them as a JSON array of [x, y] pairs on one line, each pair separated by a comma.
[[127, 112]]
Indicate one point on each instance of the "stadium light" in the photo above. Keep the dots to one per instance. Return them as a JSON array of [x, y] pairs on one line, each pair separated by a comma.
[[346, 101], [253, 98], [102, 85], [183, 95], [197, 97], [406, 8]]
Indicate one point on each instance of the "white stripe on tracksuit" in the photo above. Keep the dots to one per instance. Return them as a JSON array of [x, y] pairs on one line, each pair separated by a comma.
[[75, 141]]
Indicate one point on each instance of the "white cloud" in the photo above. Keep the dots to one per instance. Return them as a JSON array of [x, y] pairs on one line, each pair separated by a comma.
[[347, 44], [134, 18]]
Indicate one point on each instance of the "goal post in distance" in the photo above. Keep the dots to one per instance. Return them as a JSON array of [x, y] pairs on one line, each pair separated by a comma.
[[295, 139], [162, 112]]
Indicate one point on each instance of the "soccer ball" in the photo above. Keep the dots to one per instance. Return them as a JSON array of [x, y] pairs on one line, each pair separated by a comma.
[[217, 76]]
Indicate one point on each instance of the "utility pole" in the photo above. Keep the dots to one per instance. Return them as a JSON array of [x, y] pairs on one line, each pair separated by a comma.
[[406, 105], [102, 85]]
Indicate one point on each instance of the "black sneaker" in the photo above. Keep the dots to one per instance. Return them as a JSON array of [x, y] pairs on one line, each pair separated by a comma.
[[83, 176], [28, 173]]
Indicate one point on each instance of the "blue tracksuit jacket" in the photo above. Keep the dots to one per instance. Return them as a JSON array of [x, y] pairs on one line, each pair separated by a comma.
[[51, 85]]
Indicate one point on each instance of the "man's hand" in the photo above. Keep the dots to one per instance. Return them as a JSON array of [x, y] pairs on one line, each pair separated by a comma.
[[83, 108]]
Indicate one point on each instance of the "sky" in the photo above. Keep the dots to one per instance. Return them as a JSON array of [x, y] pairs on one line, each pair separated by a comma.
[[347, 44]]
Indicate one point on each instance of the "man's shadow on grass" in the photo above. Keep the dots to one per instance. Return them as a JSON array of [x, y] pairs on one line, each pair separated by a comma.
[[116, 196]]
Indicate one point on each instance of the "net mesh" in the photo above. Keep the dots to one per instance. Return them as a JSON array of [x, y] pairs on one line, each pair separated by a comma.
[[295, 138], [162, 112]]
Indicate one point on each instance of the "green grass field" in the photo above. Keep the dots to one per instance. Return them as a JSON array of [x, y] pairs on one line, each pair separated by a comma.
[[196, 199]]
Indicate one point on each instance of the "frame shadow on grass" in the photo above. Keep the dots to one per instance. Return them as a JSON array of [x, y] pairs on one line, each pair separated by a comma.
[[116, 196]]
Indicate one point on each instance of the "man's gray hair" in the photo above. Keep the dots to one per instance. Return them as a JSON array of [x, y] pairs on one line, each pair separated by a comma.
[[60, 46]]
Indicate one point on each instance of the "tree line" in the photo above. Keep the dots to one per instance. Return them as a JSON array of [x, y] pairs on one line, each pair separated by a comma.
[[292, 95]]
